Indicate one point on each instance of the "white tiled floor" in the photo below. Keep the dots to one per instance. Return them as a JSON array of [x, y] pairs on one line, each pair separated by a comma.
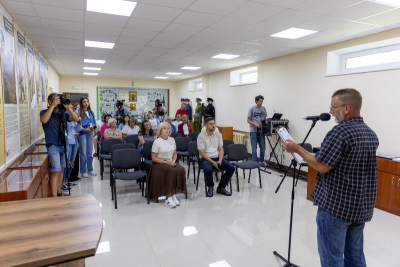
[[242, 230]]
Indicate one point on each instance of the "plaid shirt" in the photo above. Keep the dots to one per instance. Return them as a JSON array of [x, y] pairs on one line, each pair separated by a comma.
[[348, 190]]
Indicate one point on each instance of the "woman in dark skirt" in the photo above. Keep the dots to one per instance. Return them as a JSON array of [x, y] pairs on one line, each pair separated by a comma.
[[167, 178]]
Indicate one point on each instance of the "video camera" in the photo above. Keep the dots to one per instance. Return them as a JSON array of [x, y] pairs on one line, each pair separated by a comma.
[[63, 101], [120, 103]]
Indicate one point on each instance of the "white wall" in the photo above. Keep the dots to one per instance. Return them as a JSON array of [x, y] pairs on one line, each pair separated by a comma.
[[54, 79], [296, 86]]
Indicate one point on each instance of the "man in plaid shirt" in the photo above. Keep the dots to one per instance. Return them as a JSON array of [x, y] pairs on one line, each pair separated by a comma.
[[345, 190]]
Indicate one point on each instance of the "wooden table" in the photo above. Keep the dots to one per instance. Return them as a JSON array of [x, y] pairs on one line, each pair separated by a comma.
[[49, 231]]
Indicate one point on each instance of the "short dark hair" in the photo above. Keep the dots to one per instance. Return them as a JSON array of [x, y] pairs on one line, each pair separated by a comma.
[[208, 119], [349, 96], [50, 97], [259, 97]]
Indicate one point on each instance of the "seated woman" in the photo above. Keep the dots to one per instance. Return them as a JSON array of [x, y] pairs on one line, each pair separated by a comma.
[[167, 178], [184, 128], [125, 122], [104, 126], [113, 132], [146, 134], [130, 129]]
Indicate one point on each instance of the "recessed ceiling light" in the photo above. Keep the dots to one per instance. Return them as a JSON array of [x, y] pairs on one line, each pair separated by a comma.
[[395, 3], [95, 61], [190, 68], [113, 7], [173, 73], [89, 68], [99, 44], [161, 77], [225, 56], [293, 33], [90, 73]]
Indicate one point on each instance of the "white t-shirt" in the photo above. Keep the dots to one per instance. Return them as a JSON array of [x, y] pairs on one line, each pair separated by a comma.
[[164, 148], [129, 131], [176, 123], [98, 124], [153, 123]]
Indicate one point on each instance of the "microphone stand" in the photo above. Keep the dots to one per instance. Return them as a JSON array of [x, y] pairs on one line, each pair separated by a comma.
[[294, 163]]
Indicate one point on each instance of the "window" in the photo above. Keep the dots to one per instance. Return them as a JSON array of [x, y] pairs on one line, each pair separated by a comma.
[[198, 85], [244, 76], [195, 85], [382, 55]]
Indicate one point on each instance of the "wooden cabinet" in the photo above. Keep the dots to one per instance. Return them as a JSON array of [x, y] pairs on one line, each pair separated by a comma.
[[226, 131], [388, 184]]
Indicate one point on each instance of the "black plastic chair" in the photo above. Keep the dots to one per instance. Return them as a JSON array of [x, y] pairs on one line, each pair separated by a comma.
[[105, 153], [125, 159], [182, 147], [133, 139], [309, 148], [116, 147], [175, 135], [194, 135], [98, 144], [238, 152], [147, 153], [226, 143]]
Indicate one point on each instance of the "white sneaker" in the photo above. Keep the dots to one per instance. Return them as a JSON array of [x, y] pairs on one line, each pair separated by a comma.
[[175, 200], [170, 203], [93, 173], [85, 175]]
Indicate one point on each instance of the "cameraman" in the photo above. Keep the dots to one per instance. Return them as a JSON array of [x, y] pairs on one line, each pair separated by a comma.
[[255, 116], [160, 112], [52, 123], [120, 111]]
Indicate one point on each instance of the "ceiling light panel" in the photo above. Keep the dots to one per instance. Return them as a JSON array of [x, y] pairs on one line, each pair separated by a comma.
[[99, 44], [293, 33], [173, 73], [225, 56], [161, 77], [89, 68], [95, 61], [190, 68], [113, 7], [90, 73], [395, 3]]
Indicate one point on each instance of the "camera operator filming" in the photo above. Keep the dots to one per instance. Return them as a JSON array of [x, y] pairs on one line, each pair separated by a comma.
[[120, 111], [160, 112], [53, 120]]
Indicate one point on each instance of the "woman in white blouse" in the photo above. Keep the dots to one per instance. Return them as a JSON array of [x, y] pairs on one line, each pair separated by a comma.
[[167, 178], [131, 128]]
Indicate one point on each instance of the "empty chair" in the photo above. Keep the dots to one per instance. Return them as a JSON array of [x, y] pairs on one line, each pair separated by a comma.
[[116, 147], [175, 135], [147, 153], [193, 157], [238, 152], [133, 139], [309, 148], [105, 153], [194, 135], [182, 146], [226, 143], [125, 159]]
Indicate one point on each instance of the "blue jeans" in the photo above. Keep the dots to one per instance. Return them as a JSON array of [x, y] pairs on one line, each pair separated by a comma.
[[71, 154], [208, 169], [340, 243], [260, 139], [56, 158], [86, 152]]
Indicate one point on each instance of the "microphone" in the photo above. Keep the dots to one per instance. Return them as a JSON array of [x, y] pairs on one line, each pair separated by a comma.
[[322, 117]]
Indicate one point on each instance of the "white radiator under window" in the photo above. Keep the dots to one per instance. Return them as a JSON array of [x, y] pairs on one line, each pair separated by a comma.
[[239, 138]]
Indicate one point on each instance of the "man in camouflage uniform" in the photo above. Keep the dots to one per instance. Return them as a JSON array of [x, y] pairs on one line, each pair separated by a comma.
[[198, 115]]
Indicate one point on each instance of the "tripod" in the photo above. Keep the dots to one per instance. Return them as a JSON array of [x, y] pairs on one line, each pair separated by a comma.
[[294, 164], [62, 134], [273, 154]]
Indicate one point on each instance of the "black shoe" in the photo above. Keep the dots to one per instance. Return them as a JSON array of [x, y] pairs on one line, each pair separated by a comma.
[[94, 155], [210, 191], [223, 191]]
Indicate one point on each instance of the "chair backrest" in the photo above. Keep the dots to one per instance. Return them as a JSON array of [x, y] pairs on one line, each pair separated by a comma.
[[126, 158], [226, 143], [182, 143], [194, 135], [307, 146], [192, 149], [107, 144], [147, 148], [175, 135], [98, 135], [237, 152], [133, 139], [121, 146]]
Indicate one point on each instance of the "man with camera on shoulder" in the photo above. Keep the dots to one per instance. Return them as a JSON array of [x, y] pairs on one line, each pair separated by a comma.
[[54, 120], [159, 111], [120, 111]]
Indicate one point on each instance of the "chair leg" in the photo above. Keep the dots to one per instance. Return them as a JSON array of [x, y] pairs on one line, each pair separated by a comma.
[[147, 189], [194, 172], [198, 178], [237, 178], [101, 168], [112, 188], [244, 174], [230, 184], [115, 193], [111, 171], [249, 176], [188, 169], [259, 176]]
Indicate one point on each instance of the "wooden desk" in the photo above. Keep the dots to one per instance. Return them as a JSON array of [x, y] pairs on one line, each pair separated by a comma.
[[48, 231]]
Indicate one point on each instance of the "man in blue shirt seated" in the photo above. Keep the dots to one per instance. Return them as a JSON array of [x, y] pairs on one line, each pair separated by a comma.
[[54, 124]]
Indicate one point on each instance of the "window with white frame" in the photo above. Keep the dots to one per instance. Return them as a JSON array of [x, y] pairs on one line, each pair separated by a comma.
[[198, 85], [195, 85], [382, 55], [244, 76]]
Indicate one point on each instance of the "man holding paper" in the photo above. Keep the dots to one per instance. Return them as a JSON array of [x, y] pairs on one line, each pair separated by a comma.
[[346, 185]]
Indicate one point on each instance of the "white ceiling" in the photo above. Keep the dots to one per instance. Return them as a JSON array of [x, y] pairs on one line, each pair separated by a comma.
[[164, 35]]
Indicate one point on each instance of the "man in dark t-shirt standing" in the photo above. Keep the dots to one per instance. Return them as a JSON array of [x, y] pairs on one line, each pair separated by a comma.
[[345, 190], [52, 120]]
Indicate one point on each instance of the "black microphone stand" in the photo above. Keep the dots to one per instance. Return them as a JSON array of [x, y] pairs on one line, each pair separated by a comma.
[[294, 163]]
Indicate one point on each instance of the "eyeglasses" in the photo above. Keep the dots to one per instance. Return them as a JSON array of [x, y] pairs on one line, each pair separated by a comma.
[[333, 108]]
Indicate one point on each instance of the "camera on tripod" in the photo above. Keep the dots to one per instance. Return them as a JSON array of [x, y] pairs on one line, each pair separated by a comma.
[[119, 103], [63, 101]]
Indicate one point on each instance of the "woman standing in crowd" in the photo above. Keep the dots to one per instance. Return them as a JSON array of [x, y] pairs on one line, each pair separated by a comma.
[[112, 132], [131, 128], [184, 128], [167, 178], [125, 122], [146, 134], [86, 140]]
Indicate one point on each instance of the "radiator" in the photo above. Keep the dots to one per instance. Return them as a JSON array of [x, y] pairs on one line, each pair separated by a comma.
[[239, 138]]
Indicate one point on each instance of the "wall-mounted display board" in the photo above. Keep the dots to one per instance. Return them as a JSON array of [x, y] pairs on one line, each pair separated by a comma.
[[136, 99]]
